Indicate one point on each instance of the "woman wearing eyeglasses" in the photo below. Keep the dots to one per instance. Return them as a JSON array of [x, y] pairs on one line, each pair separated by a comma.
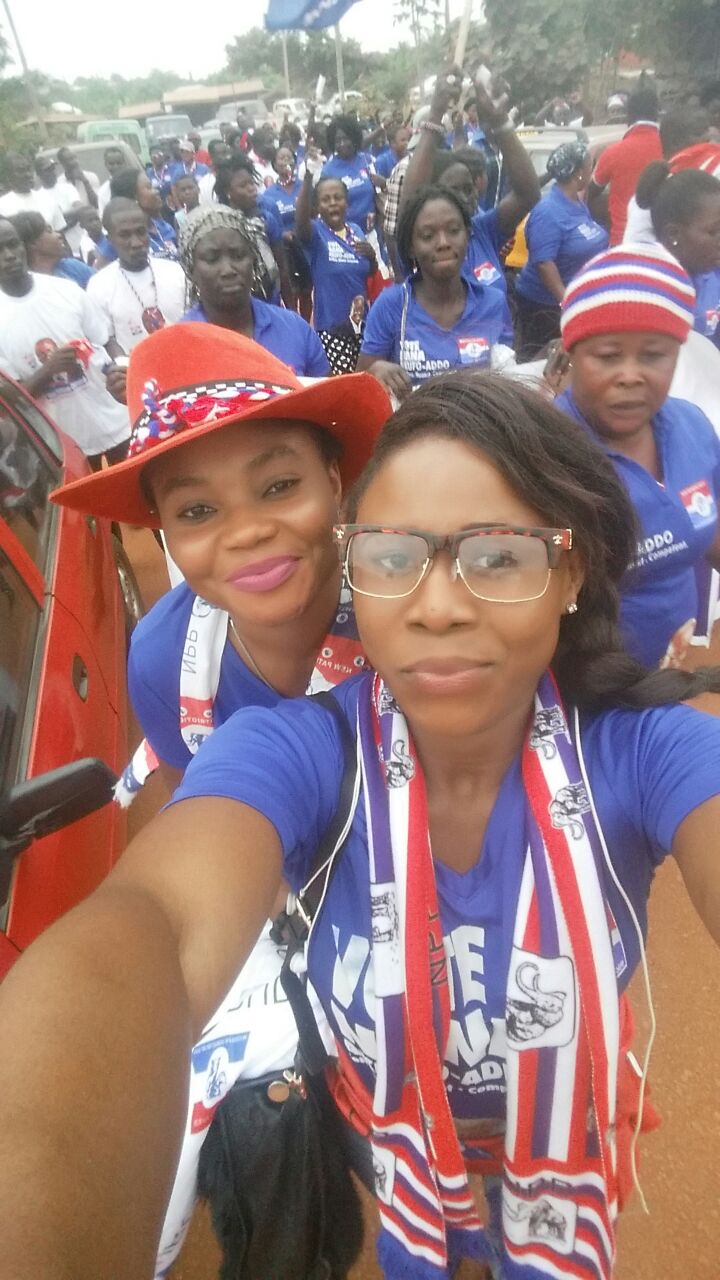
[[520, 779], [625, 318]]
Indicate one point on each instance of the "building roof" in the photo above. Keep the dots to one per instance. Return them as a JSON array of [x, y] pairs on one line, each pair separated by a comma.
[[195, 94]]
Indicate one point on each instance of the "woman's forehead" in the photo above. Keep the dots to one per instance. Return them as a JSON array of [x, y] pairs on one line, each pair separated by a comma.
[[240, 442]]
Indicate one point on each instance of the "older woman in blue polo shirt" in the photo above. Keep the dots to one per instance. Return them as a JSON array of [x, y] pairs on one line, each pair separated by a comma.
[[561, 236], [218, 257], [624, 319]]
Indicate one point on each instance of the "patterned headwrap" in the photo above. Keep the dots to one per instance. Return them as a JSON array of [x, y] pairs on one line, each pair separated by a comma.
[[565, 160], [200, 221]]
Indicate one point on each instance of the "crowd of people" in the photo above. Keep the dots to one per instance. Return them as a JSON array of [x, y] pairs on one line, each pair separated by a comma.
[[480, 507]]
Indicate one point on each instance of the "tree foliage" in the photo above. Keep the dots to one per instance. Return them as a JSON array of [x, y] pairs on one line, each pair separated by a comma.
[[539, 45]]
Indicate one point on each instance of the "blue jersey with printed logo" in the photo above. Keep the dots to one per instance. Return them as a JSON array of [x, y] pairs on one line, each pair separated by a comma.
[[339, 274], [562, 231], [678, 522], [707, 305], [282, 332], [482, 260], [648, 770], [283, 200], [420, 345], [157, 650], [355, 176]]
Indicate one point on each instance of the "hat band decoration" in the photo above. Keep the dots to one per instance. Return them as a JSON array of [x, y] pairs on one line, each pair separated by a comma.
[[164, 416]]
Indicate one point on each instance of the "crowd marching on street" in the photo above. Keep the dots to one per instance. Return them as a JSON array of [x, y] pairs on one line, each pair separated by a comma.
[[436, 437]]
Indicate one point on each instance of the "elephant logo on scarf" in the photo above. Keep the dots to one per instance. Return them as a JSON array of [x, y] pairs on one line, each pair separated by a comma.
[[568, 806], [543, 1221], [539, 1009], [387, 706], [549, 722], [401, 769]]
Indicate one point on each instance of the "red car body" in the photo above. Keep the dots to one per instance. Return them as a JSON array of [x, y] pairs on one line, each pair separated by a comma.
[[62, 664]]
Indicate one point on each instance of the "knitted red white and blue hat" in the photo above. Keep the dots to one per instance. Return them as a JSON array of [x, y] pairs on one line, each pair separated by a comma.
[[631, 288]]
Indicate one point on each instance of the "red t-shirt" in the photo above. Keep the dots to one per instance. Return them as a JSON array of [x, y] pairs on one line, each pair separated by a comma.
[[621, 165]]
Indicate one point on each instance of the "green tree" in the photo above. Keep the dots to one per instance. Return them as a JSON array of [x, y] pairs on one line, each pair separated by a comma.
[[539, 45]]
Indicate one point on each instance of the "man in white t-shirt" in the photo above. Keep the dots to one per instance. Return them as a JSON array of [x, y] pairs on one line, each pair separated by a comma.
[[85, 182], [56, 190], [218, 152], [114, 158], [21, 197], [51, 341], [137, 294]]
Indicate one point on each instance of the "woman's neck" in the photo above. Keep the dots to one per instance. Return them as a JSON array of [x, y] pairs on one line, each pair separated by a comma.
[[441, 296], [570, 191], [458, 766], [639, 445], [285, 655], [240, 319]]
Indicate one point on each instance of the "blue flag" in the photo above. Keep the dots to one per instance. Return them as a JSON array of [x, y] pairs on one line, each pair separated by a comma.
[[305, 15]]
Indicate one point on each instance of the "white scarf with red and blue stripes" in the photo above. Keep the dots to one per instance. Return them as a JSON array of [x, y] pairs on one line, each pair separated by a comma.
[[562, 1025]]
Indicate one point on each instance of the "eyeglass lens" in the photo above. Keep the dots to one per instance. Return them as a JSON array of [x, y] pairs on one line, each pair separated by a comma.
[[508, 567]]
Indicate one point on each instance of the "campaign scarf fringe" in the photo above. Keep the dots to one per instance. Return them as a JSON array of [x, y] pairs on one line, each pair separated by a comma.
[[562, 1023], [340, 656]]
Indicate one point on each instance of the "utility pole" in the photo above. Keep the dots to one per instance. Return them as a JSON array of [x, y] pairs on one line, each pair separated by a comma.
[[32, 93], [286, 65], [339, 65]]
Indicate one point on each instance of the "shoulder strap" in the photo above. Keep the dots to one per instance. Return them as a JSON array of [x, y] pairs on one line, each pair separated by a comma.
[[293, 927]]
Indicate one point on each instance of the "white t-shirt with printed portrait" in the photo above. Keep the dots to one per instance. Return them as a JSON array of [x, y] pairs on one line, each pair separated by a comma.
[[130, 300], [51, 314]]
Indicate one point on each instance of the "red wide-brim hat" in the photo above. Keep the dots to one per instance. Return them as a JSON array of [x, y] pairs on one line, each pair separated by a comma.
[[187, 380]]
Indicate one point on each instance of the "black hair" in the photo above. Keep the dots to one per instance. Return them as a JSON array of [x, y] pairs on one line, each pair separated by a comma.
[[113, 148], [554, 466], [29, 225], [290, 130], [213, 145], [392, 130], [673, 197], [680, 129], [471, 157], [237, 163], [41, 161], [233, 135], [349, 126], [642, 105], [125, 183], [414, 207], [119, 204]]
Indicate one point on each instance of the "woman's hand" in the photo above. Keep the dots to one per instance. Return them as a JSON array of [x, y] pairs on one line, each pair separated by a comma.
[[313, 161], [364, 249], [393, 378], [492, 111], [446, 93]]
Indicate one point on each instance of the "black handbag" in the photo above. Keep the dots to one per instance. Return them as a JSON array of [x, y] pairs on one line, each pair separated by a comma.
[[273, 1167]]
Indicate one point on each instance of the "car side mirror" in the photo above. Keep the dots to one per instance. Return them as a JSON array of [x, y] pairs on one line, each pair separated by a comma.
[[50, 801]]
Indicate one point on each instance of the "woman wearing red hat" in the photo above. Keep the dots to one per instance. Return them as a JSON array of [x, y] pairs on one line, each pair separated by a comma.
[[624, 320], [244, 474], [245, 477]]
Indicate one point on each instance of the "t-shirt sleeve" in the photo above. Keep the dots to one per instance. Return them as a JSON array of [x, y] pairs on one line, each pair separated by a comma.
[[667, 763], [488, 225], [273, 225], [96, 325], [383, 326], [154, 689], [544, 234], [602, 173], [286, 763]]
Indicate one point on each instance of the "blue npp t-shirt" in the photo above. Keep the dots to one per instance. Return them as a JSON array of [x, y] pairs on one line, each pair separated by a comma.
[[707, 305], [283, 200], [355, 177], [483, 262], [648, 770], [339, 274], [421, 346], [562, 231], [678, 522], [282, 332]]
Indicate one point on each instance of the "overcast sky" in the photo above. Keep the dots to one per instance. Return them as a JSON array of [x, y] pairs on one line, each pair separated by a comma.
[[133, 36]]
